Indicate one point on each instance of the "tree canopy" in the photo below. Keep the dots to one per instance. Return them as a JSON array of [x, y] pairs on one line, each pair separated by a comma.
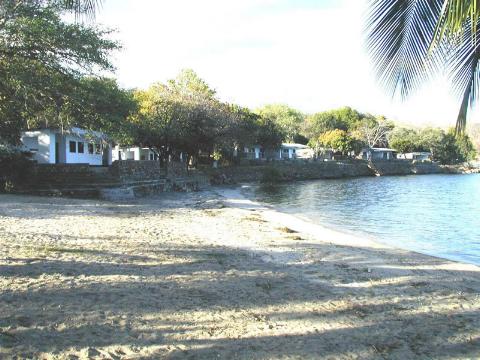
[[289, 119], [42, 61]]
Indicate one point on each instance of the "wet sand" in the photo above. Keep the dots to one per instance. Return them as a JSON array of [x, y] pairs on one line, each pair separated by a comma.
[[212, 275]]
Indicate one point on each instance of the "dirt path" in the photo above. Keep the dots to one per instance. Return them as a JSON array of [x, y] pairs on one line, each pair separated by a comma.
[[196, 276]]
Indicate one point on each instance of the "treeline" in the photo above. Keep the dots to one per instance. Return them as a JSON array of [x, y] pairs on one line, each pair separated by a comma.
[[49, 78]]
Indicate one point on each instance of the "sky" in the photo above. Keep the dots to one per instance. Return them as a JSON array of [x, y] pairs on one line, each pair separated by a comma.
[[309, 54]]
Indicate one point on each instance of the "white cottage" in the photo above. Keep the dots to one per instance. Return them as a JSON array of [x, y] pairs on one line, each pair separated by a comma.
[[73, 146], [295, 151], [133, 153], [378, 154], [287, 151], [417, 155]]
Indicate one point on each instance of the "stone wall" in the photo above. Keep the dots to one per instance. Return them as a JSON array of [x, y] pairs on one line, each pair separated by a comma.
[[405, 167], [292, 170], [312, 170], [129, 171]]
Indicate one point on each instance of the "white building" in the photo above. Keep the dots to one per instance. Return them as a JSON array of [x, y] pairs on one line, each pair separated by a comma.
[[378, 154], [286, 151], [417, 155], [73, 146], [133, 153], [295, 151]]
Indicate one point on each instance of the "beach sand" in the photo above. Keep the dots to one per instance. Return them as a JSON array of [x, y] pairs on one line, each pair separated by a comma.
[[213, 275]]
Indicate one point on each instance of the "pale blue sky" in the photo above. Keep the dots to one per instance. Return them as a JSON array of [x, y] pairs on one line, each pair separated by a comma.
[[308, 54]]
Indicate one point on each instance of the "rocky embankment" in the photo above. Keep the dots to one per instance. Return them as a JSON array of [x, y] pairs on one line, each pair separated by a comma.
[[314, 170]]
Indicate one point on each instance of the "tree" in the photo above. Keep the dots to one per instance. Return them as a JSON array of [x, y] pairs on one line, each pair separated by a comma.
[[337, 140], [268, 133], [411, 40], [373, 133], [42, 59], [447, 148], [344, 118], [404, 140], [289, 119], [180, 116], [100, 104]]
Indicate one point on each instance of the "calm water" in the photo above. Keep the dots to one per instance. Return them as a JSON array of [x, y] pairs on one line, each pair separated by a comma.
[[433, 214]]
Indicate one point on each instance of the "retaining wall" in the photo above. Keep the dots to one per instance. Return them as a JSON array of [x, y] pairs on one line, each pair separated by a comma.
[[313, 170]]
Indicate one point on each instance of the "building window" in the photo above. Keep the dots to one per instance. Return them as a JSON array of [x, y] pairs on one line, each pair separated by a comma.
[[90, 148], [81, 148], [73, 147], [98, 148], [152, 157]]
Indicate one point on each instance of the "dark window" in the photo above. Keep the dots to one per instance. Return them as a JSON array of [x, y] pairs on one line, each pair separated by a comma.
[[98, 148], [81, 149], [73, 147], [152, 156], [90, 148]]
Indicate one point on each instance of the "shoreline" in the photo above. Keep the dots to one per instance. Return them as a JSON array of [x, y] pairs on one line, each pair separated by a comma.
[[336, 236]]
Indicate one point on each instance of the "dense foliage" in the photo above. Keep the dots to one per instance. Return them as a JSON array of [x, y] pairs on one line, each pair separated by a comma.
[[42, 61]]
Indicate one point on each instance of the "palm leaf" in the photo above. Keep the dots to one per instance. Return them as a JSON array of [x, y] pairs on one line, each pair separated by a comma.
[[455, 15], [399, 35], [82, 7], [464, 69]]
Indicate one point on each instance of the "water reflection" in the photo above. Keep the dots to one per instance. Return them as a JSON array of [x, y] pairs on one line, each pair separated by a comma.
[[434, 214]]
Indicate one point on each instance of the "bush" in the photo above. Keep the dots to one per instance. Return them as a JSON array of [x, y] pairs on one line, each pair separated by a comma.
[[15, 168], [271, 176]]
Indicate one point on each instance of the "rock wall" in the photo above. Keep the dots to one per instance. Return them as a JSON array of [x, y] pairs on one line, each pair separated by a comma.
[[404, 167], [129, 171], [313, 170], [292, 170]]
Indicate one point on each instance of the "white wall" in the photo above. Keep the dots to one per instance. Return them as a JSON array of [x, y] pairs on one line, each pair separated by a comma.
[[79, 158], [44, 143]]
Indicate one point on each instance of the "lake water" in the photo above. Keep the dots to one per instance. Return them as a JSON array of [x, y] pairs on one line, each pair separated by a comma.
[[432, 214]]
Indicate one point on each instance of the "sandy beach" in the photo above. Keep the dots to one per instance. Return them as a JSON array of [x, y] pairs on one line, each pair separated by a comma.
[[213, 275]]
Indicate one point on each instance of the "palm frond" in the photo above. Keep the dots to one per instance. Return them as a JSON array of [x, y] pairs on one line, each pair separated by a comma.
[[399, 35], [453, 18], [464, 70], [82, 7]]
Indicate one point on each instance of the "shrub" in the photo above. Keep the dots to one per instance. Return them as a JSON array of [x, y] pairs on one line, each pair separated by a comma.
[[15, 168]]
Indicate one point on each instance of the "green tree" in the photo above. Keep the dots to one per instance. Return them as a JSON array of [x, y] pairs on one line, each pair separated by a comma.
[[404, 140], [268, 133], [100, 104], [42, 59], [447, 148], [289, 119], [411, 40], [344, 118], [180, 116], [337, 140]]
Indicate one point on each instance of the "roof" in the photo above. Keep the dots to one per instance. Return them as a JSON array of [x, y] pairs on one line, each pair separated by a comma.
[[419, 153], [73, 131], [383, 149], [295, 146]]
